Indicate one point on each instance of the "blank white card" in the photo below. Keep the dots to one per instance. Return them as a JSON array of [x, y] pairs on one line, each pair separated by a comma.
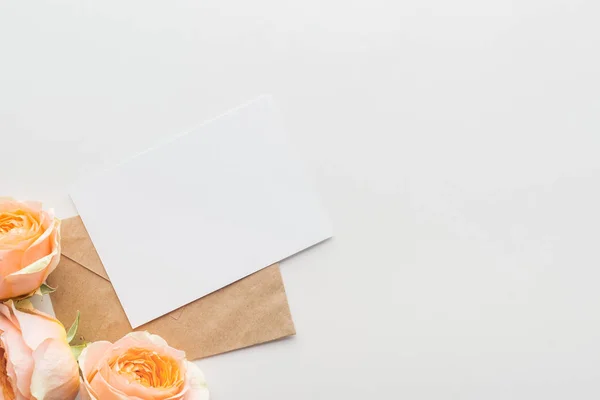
[[203, 211]]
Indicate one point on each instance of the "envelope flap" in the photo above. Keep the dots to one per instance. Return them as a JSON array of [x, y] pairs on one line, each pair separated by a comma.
[[77, 245]]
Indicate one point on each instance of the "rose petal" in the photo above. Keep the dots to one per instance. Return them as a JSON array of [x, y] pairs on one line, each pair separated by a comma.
[[7, 312], [35, 265], [22, 271], [143, 340], [102, 381], [28, 217], [10, 204], [25, 229], [85, 392], [10, 261], [146, 340], [90, 357], [19, 362], [7, 324], [29, 278], [141, 337], [40, 265], [197, 384], [135, 389], [55, 374], [89, 361], [104, 391], [45, 244], [37, 326]]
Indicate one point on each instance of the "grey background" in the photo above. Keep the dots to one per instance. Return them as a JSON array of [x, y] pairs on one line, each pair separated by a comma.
[[454, 144]]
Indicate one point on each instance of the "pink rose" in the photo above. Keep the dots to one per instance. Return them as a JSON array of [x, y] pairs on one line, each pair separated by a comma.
[[36, 362], [29, 247], [139, 366]]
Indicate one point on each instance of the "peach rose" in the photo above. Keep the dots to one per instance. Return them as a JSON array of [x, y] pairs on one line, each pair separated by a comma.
[[29, 247], [36, 362], [139, 366]]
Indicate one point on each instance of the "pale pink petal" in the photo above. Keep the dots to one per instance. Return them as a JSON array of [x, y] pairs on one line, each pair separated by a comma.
[[55, 375], [6, 324], [37, 326], [90, 357], [85, 392], [19, 360], [7, 319], [7, 312], [197, 384]]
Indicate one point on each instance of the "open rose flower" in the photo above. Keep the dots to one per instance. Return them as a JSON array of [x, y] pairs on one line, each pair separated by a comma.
[[29, 247], [35, 359], [139, 366]]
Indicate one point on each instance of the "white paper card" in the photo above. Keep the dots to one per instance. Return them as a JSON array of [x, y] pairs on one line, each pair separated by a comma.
[[201, 212]]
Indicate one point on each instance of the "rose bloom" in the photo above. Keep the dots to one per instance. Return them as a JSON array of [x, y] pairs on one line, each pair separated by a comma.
[[29, 247], [139, 366], [35, 359]]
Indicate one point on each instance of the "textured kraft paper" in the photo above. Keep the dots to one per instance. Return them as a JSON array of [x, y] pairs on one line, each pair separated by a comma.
[[250, 311]]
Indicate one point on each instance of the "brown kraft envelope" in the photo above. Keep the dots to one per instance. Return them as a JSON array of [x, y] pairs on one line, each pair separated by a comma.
[[250, 311]]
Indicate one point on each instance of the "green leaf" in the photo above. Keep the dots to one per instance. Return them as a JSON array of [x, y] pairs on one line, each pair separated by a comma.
[[45, 289], [76, 350], [73, 329]]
